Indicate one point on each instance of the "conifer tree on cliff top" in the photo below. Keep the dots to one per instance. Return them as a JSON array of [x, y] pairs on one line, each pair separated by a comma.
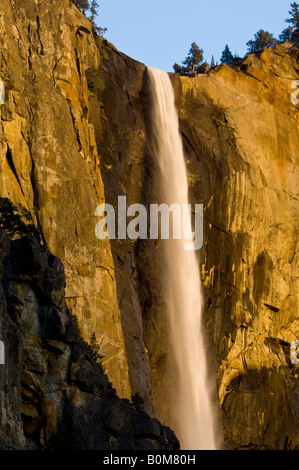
[[83, 5], [93, 10], [261, 40], [194, 58], [294, 21], [227, 57], [193, 62], [286, 34]]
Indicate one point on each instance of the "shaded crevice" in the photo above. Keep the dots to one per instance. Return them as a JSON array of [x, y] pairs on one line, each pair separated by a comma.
[[189, 143], [36, 201], [273, 309], [34, 185], [38, 34], [75, 126], [78, 63], [221, 230], [83, 30], [11, 165]]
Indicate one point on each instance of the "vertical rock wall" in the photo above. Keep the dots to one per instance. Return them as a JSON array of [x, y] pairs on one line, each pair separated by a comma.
[[74, 132], [49, 158], [240, 131]]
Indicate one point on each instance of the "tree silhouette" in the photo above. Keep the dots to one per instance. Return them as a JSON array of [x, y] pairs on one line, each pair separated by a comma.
[[212, 64], [177, 68], [83, 5], [93, 348], [16, 220], [193, 62], [93, 10], [286, 34], [261, 40], [294, 21], [227, 57], [194, 58]]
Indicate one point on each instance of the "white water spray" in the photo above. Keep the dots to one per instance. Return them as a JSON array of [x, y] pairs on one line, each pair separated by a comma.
[[193, 411]]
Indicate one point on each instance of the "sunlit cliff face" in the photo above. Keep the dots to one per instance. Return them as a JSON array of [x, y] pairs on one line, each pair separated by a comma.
[[74, 135]]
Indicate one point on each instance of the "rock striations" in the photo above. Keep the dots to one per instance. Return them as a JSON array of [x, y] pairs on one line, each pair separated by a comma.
[[74, 133]]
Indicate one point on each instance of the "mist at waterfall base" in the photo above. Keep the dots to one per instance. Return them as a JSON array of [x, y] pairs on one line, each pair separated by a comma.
[[193, 410]]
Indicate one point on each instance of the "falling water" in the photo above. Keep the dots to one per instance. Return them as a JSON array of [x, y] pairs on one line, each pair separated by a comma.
[[193, 411]]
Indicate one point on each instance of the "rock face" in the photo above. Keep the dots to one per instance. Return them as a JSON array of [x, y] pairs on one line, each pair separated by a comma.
[[75, 132], [49, 158], [53, 394], [240, 131]]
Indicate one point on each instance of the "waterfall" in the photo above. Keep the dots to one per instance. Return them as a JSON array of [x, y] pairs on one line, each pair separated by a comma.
[[193, 410]]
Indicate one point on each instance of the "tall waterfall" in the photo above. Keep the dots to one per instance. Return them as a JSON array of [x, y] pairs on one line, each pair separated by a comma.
[[192, 411]]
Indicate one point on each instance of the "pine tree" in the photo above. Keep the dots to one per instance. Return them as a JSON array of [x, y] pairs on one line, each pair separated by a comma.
[[82, 5], [294, 21], [261, 40], [193, 63], [236, 58], [227, 57], [16, 220], [93, 10], [93, 348], [286, 34], [99, 31], [212, 64], [193, 59], [177, 68]]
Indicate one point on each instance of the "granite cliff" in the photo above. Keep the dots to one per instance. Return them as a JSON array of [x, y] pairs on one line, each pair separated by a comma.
[[54, 395], [75, 133]]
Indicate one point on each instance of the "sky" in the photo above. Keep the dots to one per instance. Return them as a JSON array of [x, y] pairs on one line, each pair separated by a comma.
[[159, 33]]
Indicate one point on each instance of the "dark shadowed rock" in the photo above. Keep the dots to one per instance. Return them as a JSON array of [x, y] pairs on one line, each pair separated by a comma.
[[55, 395]]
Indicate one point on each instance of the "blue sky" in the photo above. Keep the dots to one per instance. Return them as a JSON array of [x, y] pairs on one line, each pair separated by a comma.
[[160, 32]]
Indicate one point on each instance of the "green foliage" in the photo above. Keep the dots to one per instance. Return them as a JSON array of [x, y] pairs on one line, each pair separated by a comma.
[[93, 10], [194, 58], [227, 57], [93, 348], [293, 22], [92, 6], [193, 63], [94, 78], [262, 39], [98, 30], [82, 5], [16, 220], [286, 34], [177, 68], [213, 63]]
